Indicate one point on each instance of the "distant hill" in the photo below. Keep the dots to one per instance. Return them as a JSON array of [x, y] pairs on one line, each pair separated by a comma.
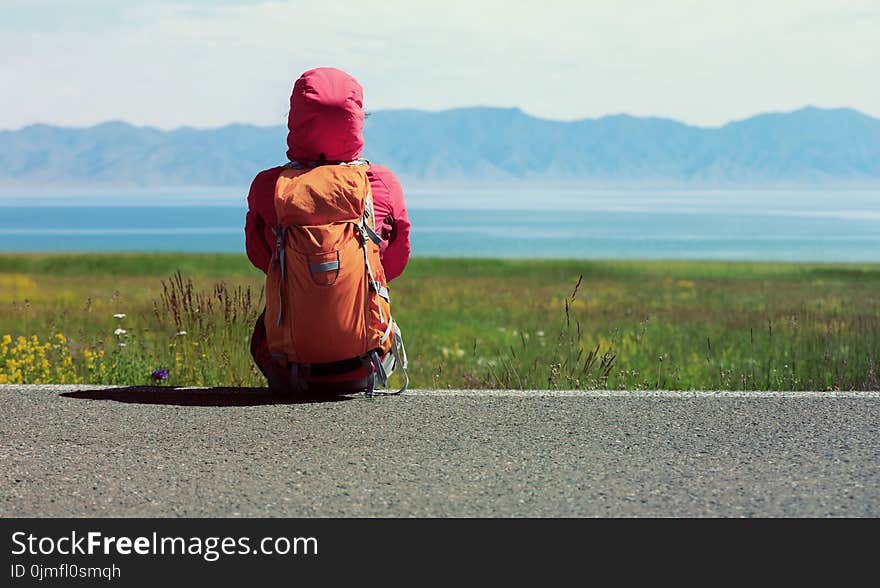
[[811, 146]]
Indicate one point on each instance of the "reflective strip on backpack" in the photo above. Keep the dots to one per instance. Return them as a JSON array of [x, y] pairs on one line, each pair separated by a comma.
[[327, 266]]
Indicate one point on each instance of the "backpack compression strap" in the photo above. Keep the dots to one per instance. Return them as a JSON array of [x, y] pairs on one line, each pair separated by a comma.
[[379, 370]]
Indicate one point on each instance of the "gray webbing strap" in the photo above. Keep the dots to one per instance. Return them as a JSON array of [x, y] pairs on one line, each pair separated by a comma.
[[387, 332], [371, 377], [355, 162], [370, 275], [398, 355], [279, 253], [369, 232], [383, 292], [379, 367], [398, 342], [363, 226], [388, 362], [313, 164]]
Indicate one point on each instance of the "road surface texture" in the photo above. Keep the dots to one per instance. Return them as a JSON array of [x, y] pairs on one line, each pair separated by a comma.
[[144, 452]]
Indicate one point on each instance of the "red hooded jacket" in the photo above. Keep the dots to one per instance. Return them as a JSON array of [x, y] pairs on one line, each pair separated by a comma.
[[326, 124]]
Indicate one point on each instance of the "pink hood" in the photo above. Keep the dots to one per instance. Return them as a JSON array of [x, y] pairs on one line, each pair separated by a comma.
[[326, 118]]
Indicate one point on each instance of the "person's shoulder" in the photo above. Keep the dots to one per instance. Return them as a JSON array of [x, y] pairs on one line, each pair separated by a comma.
[[264, 182], [268, 175], [262, 188], [380, 170], [385, 176]]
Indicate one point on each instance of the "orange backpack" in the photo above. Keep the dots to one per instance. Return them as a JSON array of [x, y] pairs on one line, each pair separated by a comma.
[[326, 294]]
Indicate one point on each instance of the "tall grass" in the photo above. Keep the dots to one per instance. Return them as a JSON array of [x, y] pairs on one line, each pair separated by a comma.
[[567, 363], [212, 331], [467, 323]]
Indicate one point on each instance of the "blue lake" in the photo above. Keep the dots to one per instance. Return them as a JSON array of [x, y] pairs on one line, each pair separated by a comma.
[[510, 222]]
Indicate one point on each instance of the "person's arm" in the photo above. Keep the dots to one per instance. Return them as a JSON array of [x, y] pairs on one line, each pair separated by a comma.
[[395, 249], [258, 251]]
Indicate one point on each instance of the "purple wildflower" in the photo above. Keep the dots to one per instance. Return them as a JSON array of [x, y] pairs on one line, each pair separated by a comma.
[[159, 374]]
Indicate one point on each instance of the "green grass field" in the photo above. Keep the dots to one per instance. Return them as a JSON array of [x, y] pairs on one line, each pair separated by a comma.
[[466, 323]]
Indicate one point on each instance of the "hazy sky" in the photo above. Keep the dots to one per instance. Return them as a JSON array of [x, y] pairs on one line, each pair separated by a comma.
[[203, 63]]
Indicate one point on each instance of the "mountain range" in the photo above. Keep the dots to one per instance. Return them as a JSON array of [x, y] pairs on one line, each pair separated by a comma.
[[807, 147]]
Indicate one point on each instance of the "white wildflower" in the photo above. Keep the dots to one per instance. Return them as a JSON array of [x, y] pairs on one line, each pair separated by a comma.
[[120, 315], [180, 333], [456, 351], [120, 332], [121, 344]]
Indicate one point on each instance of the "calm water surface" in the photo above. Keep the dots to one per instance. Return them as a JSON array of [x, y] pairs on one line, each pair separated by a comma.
[[514, 222]]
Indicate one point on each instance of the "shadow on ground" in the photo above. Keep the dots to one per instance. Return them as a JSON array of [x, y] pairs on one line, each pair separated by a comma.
[[220, 396]]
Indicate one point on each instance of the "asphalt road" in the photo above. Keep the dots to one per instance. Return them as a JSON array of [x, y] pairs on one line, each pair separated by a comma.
[[67, 451]]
